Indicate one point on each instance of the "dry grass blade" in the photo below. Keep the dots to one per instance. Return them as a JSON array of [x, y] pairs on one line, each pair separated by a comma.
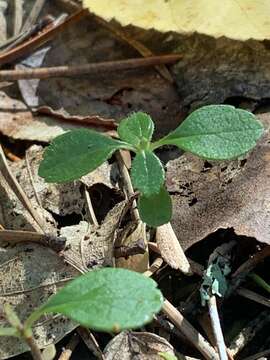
[[71, 346], [34, 14]]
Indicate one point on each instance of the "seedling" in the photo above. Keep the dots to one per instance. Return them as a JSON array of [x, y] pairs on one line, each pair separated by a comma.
[[108, 300], [214, 132]]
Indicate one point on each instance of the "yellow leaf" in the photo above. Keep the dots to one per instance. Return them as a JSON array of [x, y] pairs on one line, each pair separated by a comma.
[[235, 19]]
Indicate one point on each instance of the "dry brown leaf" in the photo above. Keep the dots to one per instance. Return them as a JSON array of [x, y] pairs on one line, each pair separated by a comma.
[[171, 250], [29, 274], [135, 345], [208, 196], [17, 122], [60, 199], [131, 234]]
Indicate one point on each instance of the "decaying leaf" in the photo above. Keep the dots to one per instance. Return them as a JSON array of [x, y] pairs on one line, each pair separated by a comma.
[[241, 19], [14, 216], [134, 345], [98, 245], [17, 122], [131, 234], [29, 274], [60, 199], [208, 196]]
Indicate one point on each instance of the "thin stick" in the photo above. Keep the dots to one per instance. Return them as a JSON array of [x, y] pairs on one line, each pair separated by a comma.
[[17, 189], [71, 346], [127, 183], [212, 306], [91, 342], [94, 68], [240, 274], [34, 14], [261, 354], [18, 11], [91, 212], [189, 331], [154, 267], [40, 39], [251, 295]]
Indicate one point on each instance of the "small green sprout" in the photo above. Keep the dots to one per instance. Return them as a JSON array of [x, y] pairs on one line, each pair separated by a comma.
[[214, 132]]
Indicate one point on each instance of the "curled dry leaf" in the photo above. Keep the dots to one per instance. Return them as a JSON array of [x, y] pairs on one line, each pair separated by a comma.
[[208, 196], [135, 345], [133, 233], [17, 122]]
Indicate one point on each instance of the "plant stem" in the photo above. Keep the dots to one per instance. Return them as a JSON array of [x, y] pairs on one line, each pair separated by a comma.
[[259, 281], [212, 306], [23, 331], [36, 353]]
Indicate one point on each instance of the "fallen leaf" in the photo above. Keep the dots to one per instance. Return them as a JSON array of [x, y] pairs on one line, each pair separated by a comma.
[[241, 19], [29, 274], [131, 345], [130, 235], [17, 122], [208, 195], [60, 199]]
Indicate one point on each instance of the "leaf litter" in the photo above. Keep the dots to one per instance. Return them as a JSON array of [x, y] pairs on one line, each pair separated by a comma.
[[206, 196]]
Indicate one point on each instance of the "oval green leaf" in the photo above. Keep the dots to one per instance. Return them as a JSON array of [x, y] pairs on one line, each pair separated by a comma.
[[156, 210], [76, 153], [109, 300], [137, 129], [216, 132], [147, 173]]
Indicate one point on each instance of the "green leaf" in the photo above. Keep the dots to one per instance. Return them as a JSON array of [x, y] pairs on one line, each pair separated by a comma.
[[137, 129], [109, 299], [156, 210], [147, 173], [216, 132], [167, 356], [76, 153]]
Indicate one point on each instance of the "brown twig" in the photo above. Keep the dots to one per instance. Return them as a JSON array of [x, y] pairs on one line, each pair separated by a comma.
[[90, 342], [40, 39], [240, 274], [18, 16], [251, 295], [189, 331], [17, 189], [121, 35], [94, 68], [259, 355], [71, 346], [34, 14], [154, 267]]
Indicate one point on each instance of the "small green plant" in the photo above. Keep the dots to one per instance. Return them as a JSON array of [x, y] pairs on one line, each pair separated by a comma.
[[214, 132], [108, 300]]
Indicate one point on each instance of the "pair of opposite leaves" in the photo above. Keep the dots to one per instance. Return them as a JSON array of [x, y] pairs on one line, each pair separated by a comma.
[[214, 132]]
